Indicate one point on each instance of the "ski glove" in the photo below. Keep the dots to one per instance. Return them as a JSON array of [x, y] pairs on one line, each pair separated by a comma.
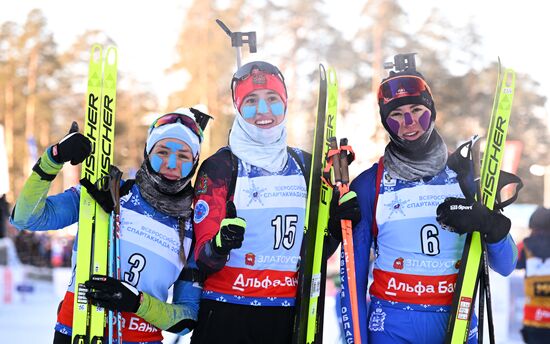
[[463, 216], [231, 233], [113, 294], [345, 208], [74, 147], [102, 197]]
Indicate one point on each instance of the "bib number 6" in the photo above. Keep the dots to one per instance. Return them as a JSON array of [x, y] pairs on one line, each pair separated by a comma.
[[429, 240]]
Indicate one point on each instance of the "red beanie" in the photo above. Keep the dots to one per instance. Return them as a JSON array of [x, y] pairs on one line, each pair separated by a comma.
[[258, 80]]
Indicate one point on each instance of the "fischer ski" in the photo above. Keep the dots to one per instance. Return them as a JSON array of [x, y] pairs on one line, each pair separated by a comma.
[[92, 243], [473, 267], [308, 325], [310, 222]]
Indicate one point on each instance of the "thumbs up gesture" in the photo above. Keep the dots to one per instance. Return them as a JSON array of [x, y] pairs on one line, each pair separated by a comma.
[[74, 147], [231, 233]]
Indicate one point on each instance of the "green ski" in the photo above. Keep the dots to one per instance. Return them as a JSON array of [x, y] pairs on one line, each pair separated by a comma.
[[308, 324], [92, 243], [470, 267], [310, 222], [319, 272]]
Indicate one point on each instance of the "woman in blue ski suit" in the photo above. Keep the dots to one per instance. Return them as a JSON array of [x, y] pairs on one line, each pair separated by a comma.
[[156, 230], [406, 201]]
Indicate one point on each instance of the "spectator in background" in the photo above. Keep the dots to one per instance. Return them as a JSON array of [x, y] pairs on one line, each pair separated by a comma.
[[534, 254]]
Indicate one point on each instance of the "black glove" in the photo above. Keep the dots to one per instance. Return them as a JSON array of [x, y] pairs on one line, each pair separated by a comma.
[[112, 294], [103, 197], [462, 216], [74, 147], [231, 233], [345, 208]]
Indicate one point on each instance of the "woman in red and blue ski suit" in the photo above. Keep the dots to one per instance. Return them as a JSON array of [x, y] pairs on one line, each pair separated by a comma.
[[416, 261]]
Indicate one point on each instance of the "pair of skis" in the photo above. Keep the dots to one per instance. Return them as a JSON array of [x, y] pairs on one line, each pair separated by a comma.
[[308, 325], [92, 243], [308, 322], [474, 268]]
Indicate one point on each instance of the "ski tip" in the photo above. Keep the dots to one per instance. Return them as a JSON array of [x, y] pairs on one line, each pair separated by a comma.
[[96, 53], [322, 71], [112, 55], [332, 79]]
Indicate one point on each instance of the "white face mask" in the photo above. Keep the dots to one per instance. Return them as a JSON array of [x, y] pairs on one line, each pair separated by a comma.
[[265, 148], [259, 135]]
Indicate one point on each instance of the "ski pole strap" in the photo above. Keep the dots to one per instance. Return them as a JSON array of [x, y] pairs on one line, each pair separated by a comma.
[[338, 159], [43, 175], [504, 180], [350, 154], [126, 187], [332, 163]]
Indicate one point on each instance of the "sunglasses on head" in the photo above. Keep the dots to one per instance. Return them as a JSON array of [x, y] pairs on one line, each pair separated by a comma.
[[178, 118], [245, 71], [402, 86]]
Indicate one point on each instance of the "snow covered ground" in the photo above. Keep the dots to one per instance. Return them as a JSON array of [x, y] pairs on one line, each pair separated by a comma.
[[30, 317]]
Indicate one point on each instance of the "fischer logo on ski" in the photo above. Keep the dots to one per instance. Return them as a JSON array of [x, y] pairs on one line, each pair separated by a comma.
[[93, 225], [473, 261], [307, 280]]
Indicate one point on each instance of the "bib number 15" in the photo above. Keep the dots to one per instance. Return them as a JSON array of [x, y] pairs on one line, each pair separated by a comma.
[[285, 231]]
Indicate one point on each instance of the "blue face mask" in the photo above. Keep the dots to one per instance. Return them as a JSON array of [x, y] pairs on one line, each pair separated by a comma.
[[249, 111], [156, 160]]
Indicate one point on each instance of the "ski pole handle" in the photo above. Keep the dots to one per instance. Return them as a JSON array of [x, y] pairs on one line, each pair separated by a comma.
[[335, 162], [344, 171], [347, 238]]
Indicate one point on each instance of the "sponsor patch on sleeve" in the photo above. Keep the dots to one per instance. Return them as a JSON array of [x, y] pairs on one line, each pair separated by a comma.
[[201, 211]]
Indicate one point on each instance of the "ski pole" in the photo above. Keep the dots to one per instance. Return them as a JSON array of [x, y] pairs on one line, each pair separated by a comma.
[[112, 184], [111, 273], [237, 40], [484, 284], [341, 179], [475, 155], [115, 193]]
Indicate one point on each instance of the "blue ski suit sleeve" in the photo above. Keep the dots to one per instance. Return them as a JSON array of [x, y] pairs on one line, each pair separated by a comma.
[[503, 255], [35, 211], [365, 187]]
